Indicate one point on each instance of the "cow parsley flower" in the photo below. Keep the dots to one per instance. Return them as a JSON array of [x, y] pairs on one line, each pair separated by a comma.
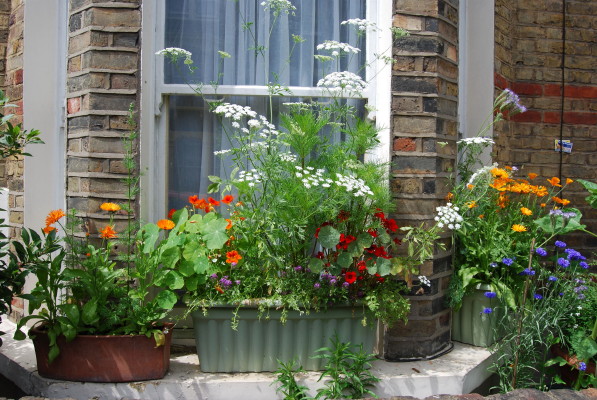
[[343, 82], [333, 45], [447, 216], [234, 111], [279, 6], [361, 24], [476, 140]]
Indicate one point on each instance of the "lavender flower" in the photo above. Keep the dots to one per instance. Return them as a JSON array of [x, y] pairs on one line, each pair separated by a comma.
[[541, 251], [490, 295], [237, 281], [507, 261], [225, 282], [298, 268], [333, 281], [574, 255], [560, 244], [513, 100]]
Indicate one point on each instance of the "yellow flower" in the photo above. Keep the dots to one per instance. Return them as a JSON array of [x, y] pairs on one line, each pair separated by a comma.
[[111, 207], [519, 228], [526, 211]]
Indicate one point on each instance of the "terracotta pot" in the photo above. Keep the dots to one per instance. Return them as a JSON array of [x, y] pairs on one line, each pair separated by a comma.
[[569, 372], [103, 358]]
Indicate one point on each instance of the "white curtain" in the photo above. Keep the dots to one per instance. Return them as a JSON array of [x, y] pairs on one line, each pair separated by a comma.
[[205, 27]]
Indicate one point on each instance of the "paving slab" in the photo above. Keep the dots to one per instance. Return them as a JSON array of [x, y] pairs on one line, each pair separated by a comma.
[[459, 372]]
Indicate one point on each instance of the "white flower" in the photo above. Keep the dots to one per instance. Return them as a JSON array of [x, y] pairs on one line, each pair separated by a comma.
[[353, 185], [336, 46], [234, 111], [235, 125], [220, 152], [339, 82], [424, 281], [279, 6], [448, 216], [360, 24], [174, 52], [476, 140]]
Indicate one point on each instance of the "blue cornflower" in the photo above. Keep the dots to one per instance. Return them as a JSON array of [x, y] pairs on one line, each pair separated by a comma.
[[507, 261], [583, 264], [552, 278], [490, 295], [562, 262], [537, 296], [487, 310], [582, 366], [574, 255], [527, 271], [559, 243], [541, 251]]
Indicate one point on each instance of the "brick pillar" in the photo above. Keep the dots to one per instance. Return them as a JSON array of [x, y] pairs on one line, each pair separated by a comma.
[[424, 107], [4, 19], [102, 80]]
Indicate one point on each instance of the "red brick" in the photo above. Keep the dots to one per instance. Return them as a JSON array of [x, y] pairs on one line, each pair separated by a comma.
[[552, 90], [529, 116], [405, 144], [529, 89], [551, 117], [500, 81], [585, 92], [18, 77], [580, 118], [73, 105], [19, 107], [17, 302]]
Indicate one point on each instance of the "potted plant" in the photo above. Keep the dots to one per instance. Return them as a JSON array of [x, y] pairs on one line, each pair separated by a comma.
[[97, 320]]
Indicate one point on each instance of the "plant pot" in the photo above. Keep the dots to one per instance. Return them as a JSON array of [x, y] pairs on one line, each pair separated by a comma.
[[569, 372], [257, 344], [471, 325], [103, 358]]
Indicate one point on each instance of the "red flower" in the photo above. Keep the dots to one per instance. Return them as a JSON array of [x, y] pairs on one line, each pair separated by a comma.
[[390, 225], [171, 213], [380, 278], [343, 216], [227, 199], [362, 266], [372, 232], [213, 201], [380, 215], [350, 277]]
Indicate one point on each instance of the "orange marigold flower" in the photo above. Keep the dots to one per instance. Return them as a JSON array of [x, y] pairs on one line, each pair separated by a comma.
[[542, 205], [482, 216], [541, 191], [48, 229], [555, 181], [532, 175], [54, 216], [471, 204], [111, 207], [227, 199], [519, 228], [470, 186], [229, 223], [502, 200], [213, 201], [233, 257], [108, 232], [499, 184], [499, 173], [509, 168], [569, 181], [449, 196], [526, 211], [563, 202], [165, 224]]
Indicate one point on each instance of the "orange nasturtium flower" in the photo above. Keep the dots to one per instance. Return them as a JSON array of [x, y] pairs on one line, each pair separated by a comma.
[[108, 232], [54, 216], [532, 175], [213, 201], [233, 257], [555, 181], [519, 228], [48, 229], [526, 211], [229, 223], [111, 207], [165, 224], [227, 199]]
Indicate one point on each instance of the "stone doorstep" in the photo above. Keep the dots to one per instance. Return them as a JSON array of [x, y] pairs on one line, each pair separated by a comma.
[[458, 372]]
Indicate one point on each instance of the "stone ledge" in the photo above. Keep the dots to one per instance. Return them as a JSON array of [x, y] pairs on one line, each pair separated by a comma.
[[458, 372]]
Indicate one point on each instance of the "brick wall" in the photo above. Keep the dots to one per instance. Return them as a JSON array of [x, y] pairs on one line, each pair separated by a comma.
[[540, 48], [424, 112], [4, 18], [102, 80]]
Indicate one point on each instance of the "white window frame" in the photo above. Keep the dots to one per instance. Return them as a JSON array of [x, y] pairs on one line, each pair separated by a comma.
[[155, 94]]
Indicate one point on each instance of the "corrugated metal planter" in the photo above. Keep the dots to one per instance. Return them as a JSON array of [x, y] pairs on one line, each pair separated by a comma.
[[257, 344], [471, 325], [103, 358]]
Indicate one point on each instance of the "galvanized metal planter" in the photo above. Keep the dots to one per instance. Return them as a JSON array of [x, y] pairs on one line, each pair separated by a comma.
[[257, 344], [471, 325], [103, 358]]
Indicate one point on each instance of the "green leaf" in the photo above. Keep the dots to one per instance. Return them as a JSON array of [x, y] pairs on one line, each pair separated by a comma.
[[90, 316], [19, 335], [150, 234], [344, 260], [215, 233], [316, 265], [174, 280], [53, 353], [384, 266], [191, 283], [556, 224], [68, 330], [201, 265], [586, 349], [186, 268], [329, 237], [170, 257], [194, 224], [166, 299], [72, 313]]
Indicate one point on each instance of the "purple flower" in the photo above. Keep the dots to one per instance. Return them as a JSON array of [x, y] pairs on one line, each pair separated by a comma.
[[562, 262], [237, 282], [214, 276], [225, 282], [317, 285], [559, 243], [583, 264], [581, 296], [333, 281], [298, 268], [345, 284], [541, 251], [490, 295], [487, 310], [582, 366], [537, 296], [527, 271], [552, 278], [507, 261]]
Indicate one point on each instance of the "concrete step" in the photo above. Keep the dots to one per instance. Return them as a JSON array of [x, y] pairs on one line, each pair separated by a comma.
[[459, 372]]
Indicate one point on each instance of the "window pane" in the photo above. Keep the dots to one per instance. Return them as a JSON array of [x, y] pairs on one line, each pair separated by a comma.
[[206, 26], [194, 134]]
